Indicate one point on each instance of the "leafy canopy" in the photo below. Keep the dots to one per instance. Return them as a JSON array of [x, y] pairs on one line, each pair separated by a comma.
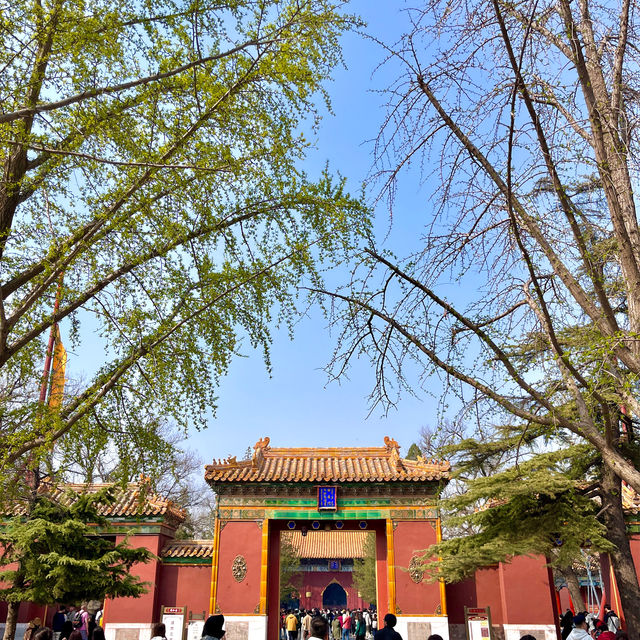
[[151, 157]]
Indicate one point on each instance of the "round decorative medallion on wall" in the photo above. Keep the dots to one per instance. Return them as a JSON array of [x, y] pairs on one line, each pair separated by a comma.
[[291, 524], [362, 524], [339, 524], [416, 572], [315, 524], [239, 568]]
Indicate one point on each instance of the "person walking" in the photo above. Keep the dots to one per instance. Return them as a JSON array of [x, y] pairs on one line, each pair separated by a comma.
[[84, 621], [566, 623], [580, 631], [361, 628], [346, 625], [366, 616], [306, 625], [336, 631], [611, 619], [388, 632], [291, 625], [319, 629], [59, 618], [212, 629], [32, 628]]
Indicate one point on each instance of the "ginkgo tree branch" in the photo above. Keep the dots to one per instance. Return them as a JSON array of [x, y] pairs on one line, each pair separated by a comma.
[[82, 240], [83, 404], [124, 86]]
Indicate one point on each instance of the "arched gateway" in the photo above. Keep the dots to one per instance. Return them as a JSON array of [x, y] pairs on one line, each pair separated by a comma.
[[370, 488], [334, 596]]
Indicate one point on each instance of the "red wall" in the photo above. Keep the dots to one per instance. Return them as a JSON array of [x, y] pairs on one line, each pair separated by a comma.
[[527, 585], [185, 586], [316, 582], [460, 595], [518, 592], [28, 611], [409, 539], [489, 592], [244, 539], [145, 608], [273, 581]]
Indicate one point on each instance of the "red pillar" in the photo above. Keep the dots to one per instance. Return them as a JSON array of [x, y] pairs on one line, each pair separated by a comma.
[[273, 582], [382, 591], [410, 539]]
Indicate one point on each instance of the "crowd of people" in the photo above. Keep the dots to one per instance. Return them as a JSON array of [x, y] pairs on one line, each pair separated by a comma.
[[334, 624], [318, 624], [588, 626], [69, 623], [344, 624]]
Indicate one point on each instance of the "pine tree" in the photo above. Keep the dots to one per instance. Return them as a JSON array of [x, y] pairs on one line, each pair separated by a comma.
[[414, 452], [56, 556], [290, 576], [534, 507]]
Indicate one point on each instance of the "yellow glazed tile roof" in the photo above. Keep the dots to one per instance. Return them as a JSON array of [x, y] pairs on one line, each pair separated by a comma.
[[349, 464], [327, 544], [630, 499], [133, 500], [188, 549], [316, 544]]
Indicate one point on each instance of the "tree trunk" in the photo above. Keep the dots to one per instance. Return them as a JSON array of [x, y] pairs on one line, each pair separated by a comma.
[[621, 558], [12, 621], [574, 587]]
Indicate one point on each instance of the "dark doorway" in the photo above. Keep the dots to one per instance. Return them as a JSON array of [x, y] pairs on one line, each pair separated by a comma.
[[334, 596]]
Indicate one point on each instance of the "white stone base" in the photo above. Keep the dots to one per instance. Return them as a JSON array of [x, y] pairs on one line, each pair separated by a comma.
[[538, 631], [421, 627], [127, 631], [245, 627], [237, 628]]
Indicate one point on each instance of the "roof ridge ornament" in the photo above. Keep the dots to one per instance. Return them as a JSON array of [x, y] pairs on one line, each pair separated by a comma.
[[259, 449], [391, 444]]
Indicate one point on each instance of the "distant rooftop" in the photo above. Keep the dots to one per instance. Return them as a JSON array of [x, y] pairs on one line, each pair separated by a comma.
[[134, 499], [630, 500], [328, 544], [344, 464], [338, 545], [188, 549]]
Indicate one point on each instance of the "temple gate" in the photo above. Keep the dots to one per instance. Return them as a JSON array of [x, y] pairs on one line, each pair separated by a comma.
[[334, 489]]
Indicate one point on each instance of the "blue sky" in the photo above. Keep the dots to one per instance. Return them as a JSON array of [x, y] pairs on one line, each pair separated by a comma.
[[297, 406]]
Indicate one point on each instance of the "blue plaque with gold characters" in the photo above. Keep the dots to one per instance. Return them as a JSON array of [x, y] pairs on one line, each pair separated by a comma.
[[327, 498]]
